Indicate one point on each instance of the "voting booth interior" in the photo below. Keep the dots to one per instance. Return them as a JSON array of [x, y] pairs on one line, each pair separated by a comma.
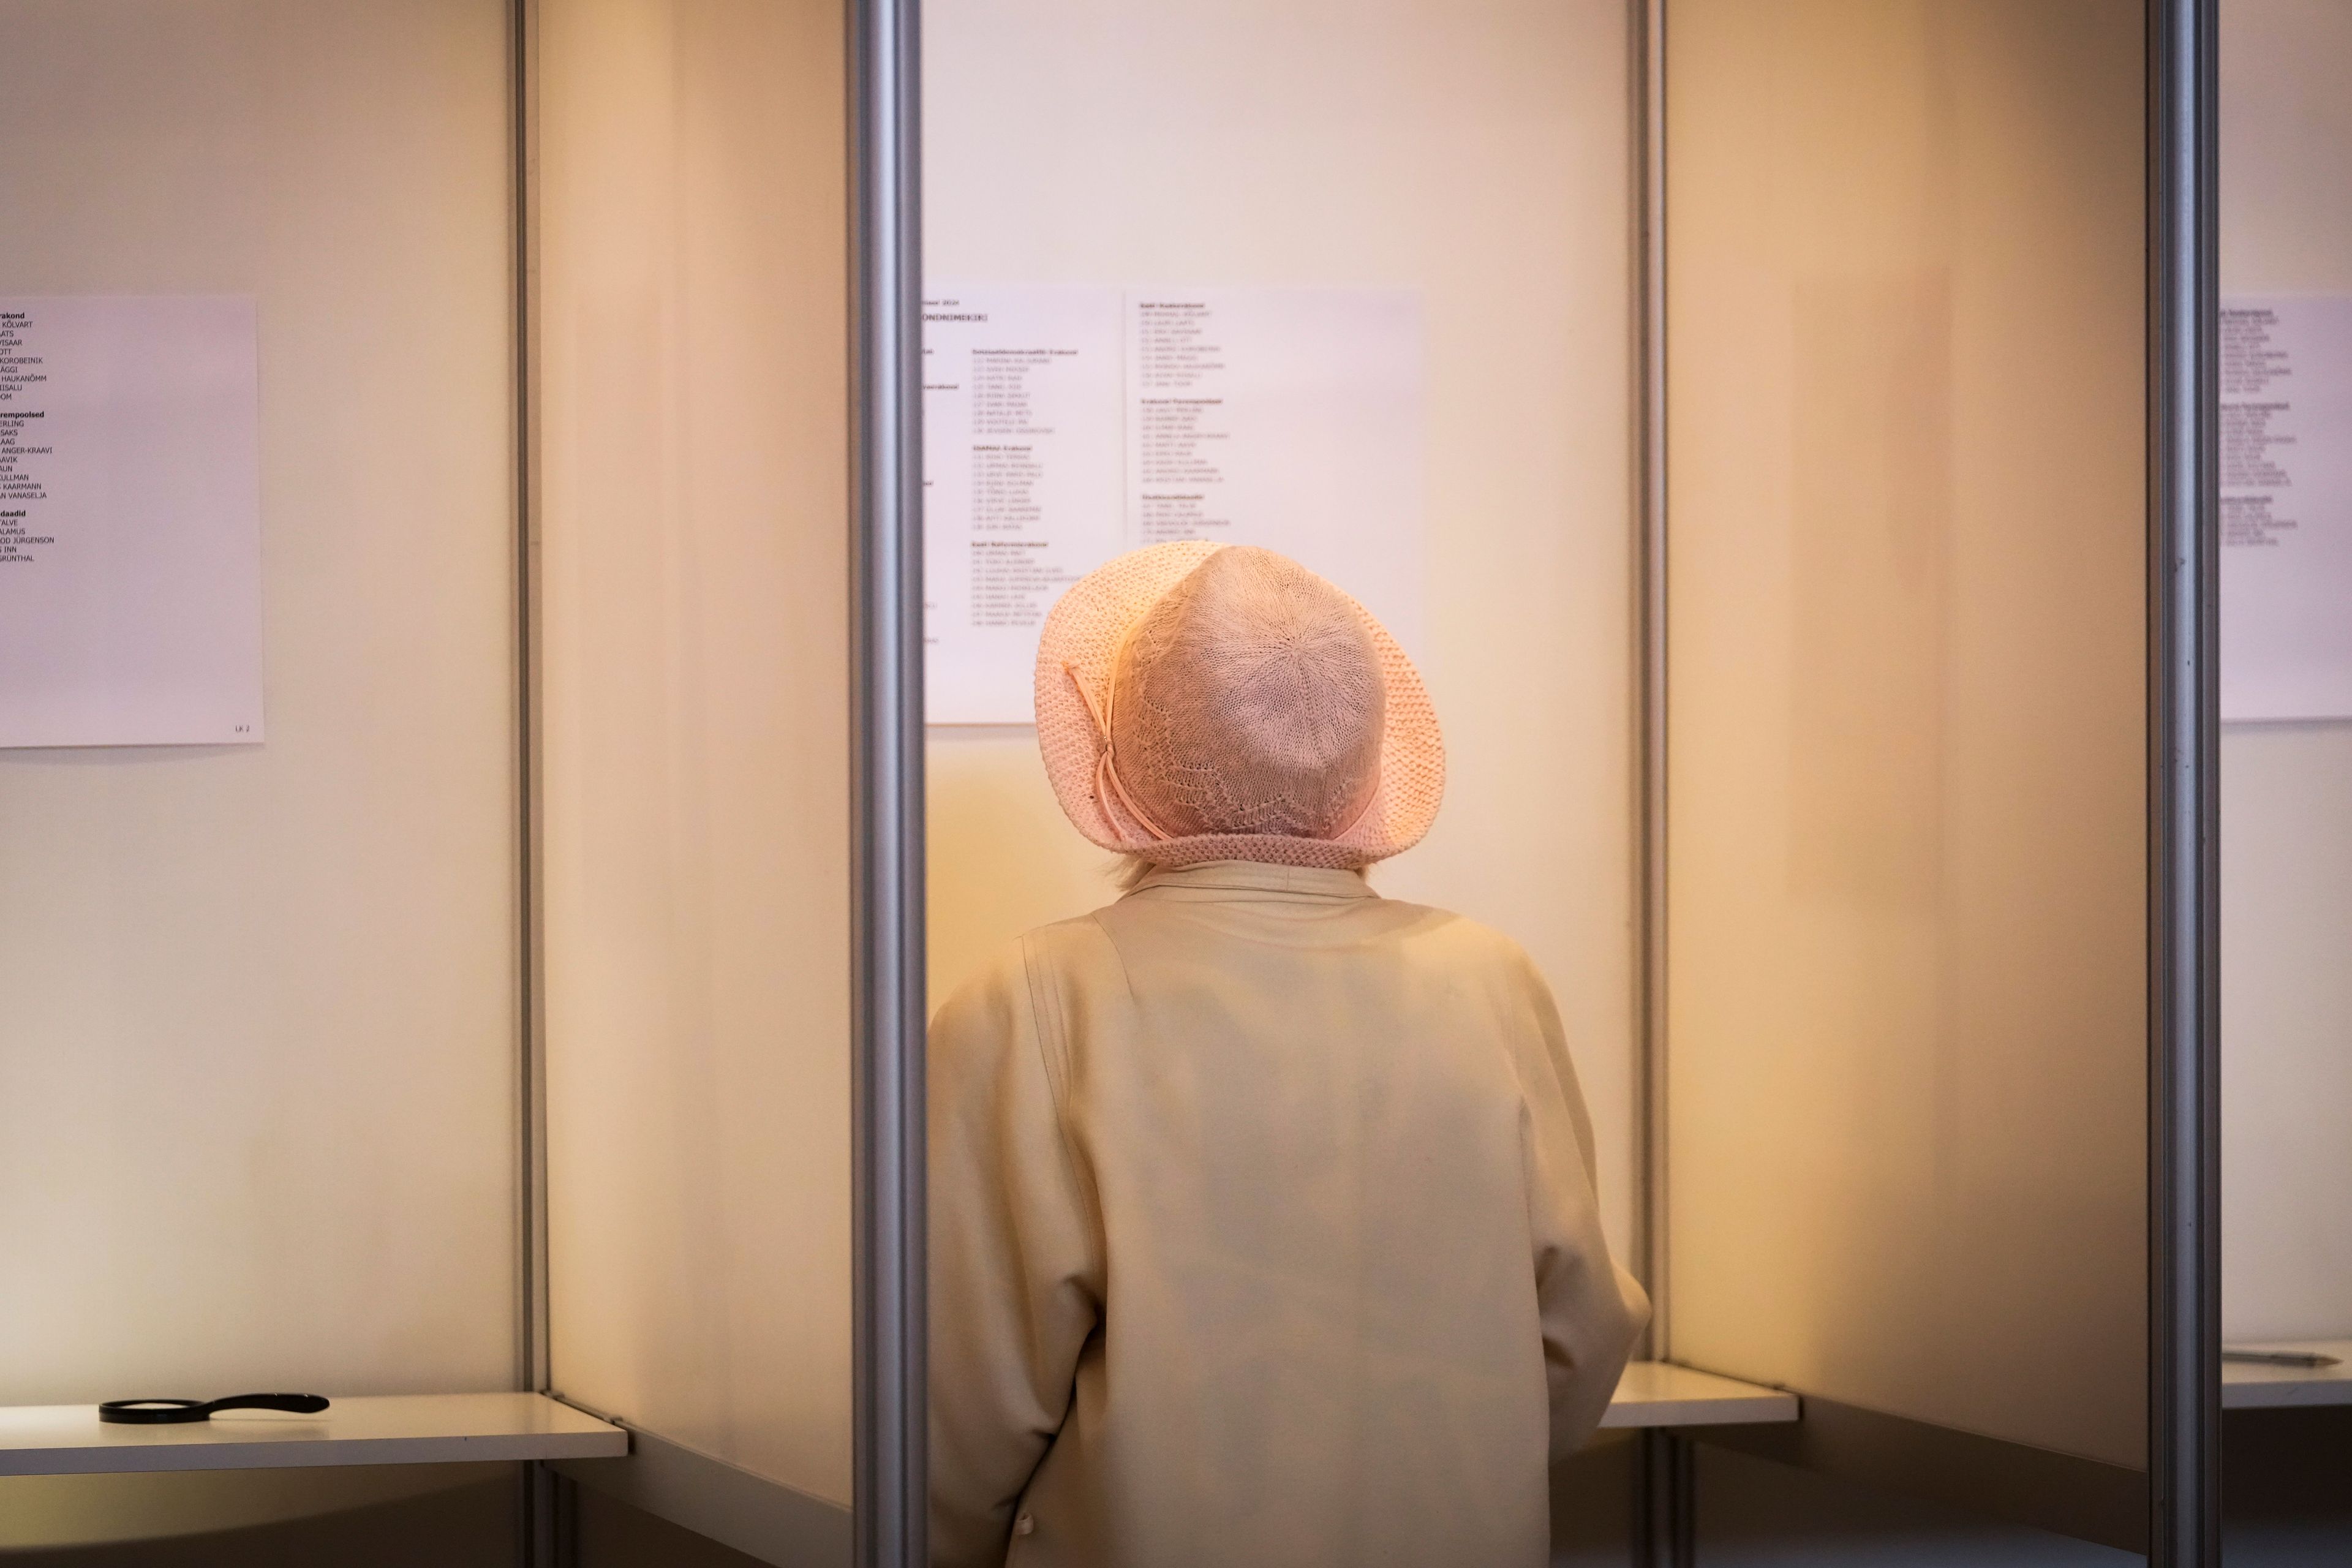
[[478, 1022], [1115, 157], [1294, 292], [258, 1088]]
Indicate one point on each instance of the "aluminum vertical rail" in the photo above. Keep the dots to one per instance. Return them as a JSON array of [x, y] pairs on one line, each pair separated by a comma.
[[541, 1489], [532, 1371], [2184, 973], [886, 713], [1666, 1499], [1648, 21]]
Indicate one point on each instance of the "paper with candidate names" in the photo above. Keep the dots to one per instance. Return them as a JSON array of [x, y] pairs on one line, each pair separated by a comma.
[[2286, 507], [1066, 425], [129, 522], [1286, 417], [1021, 482]]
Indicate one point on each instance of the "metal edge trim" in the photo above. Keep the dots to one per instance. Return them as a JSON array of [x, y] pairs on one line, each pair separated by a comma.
[[2043, 1488], [761, 1518], [534, 1307], [1665, 1492], [890, 1502], [2184, 1024], [1650, 668]]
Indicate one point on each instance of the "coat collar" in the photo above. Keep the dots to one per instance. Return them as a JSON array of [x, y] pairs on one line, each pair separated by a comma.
[[1256, 876]]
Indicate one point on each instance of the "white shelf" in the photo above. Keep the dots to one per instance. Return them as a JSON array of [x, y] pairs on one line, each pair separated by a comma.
[[446, 1428], [1660, 1394], [2250, 1385], [409, 1429]]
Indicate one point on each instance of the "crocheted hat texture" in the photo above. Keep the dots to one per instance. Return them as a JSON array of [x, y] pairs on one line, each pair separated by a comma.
[[1199, 702]]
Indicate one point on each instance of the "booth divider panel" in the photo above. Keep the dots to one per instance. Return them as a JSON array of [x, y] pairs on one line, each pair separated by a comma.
[[1907, 838], [691, 394]]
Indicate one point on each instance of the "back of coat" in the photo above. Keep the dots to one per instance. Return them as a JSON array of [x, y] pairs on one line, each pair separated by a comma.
[[1263, 1232]]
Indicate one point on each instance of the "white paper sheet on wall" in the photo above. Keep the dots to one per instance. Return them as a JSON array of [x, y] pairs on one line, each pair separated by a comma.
[[1064, 426], [1286, 417], [129, 522], [2286, 507], [1021, 482]]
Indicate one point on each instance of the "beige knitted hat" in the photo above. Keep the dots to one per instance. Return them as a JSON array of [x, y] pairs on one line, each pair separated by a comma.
[[1200, 701]]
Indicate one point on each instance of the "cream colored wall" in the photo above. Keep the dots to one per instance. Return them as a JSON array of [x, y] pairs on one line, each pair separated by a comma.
[[1906, 903], [2286, 789], [693, 404], [258, 1007], [1476, 152]]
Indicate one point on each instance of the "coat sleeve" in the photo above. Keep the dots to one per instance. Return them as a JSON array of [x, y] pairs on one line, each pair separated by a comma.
[[1016, 1262], [1592, 1310]]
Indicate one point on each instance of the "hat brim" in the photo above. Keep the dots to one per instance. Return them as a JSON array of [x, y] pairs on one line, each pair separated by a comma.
[[1080, 644]]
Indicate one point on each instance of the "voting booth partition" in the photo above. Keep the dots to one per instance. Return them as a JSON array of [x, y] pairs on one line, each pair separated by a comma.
[[474, 1049], [1781, 435], [260, 1085], [1907, 711]]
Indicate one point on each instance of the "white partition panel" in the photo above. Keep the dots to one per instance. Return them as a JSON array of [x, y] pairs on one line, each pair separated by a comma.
[[1479, 153], [1908, 903], [2287, 802], [258, 1020], [690, 386]]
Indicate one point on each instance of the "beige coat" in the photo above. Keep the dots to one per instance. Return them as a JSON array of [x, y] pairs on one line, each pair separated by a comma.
[[1263, 1232]]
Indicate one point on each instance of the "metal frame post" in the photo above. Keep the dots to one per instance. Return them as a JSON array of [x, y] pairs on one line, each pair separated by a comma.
[[1650, 607], [886, 714], [2184, 776], [531, 1332], [1665, 1480]]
